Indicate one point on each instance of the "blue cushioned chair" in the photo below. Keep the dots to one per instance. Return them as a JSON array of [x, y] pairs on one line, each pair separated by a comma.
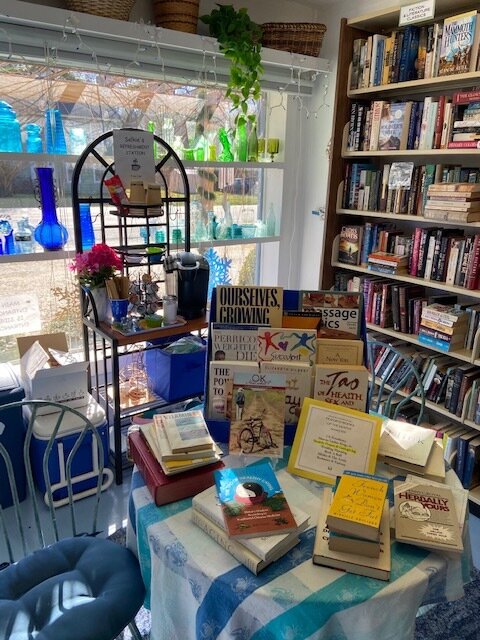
[[80, 587]]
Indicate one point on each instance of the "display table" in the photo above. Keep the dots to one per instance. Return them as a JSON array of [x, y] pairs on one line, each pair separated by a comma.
[[198, 591]]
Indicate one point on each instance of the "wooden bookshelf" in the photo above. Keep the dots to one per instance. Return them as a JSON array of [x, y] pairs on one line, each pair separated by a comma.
[[384, 21]]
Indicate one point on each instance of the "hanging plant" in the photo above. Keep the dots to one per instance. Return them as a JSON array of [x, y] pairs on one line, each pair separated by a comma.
[[239, 39]]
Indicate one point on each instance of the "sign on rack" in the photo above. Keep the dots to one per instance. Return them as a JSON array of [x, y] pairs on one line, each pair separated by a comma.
[[416, 12]]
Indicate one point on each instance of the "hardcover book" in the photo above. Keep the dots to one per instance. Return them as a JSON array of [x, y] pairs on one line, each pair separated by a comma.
[[346, 386], [378, 568], [249, 305], [287, 345], [340, 312], [252, 502], [425, 516], [459, 45], [220, 385], [257, 414], [165, 489], [357, 505], [298, 385], [265, 547], [185, 430], [234, 342]]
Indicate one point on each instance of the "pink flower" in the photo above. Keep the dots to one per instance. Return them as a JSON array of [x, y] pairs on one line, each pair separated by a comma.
[[96, 266]]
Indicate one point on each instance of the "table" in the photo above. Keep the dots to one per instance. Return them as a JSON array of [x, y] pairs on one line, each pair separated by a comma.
[[198, 591]]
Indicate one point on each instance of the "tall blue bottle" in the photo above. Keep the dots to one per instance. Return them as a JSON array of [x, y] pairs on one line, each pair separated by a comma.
[[50, 233], [86, 226]]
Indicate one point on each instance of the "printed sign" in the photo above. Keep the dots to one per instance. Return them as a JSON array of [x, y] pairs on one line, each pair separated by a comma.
[[133, 153], [416, 12], [20, 314]]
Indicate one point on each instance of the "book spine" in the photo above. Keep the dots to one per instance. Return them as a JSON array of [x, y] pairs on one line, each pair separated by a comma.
[[143, 466], [464, 144], [473, 269], [239, 553], [439, 122], [433, 342]]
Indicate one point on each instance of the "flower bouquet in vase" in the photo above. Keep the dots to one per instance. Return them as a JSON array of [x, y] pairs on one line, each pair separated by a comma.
[[93, 269]]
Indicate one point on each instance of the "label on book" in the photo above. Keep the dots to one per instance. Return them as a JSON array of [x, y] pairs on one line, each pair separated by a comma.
[[249, 305]]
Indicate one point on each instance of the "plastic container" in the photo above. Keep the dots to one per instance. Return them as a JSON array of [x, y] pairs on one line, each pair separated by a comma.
[[12, 435]]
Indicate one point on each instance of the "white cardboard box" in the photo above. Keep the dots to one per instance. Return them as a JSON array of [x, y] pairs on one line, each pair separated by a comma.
[[63, 383]]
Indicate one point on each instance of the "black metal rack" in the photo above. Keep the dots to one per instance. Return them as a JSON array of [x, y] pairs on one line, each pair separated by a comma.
[[121, 229]]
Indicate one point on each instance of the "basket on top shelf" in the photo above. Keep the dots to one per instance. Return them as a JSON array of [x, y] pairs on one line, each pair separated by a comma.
[[304, 38], [180, 15], [119, 10]]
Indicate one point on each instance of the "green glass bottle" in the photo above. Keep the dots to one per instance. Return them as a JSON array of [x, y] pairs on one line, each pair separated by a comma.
[[253, 144], [241, 142]]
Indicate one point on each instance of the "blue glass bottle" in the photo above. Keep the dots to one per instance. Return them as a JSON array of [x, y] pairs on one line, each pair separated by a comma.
[[10, 135], [54, 134], [50, 233], [86, 226]]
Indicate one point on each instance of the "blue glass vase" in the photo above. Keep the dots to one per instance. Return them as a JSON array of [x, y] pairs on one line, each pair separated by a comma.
[[86, 226], [50, 234]]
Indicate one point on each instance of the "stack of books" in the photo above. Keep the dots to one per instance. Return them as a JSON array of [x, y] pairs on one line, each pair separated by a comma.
[[171, 470], [247, 513], [180, 441], [457, 201], [443, 327], [388, 263], [353, 532], [412, 448]]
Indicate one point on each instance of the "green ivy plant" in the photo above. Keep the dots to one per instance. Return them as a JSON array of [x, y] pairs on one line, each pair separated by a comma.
[[239, 39]]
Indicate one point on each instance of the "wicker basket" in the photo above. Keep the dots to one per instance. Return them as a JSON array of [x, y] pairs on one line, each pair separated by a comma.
[[181, 15], [296, 37], [119, 9]]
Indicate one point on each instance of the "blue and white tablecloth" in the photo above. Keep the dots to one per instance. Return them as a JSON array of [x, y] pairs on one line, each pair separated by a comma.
[[198, 591]]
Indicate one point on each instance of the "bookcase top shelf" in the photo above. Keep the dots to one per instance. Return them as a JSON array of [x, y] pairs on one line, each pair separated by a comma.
[[383, 19], [410, 218]]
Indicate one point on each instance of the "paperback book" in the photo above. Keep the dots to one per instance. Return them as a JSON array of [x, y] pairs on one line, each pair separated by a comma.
[[252, 501], [407, 442], [265, 547], [350, 244], [340, 312], [459, 45], [287, 345], [234, 342], [378, 568], [346, 386], [425, 516], [249, 305], [298, 385], [257, 414], [185, 430], [220, 386]]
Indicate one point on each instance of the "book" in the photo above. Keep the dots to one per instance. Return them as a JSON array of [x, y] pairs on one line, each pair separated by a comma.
[[286, 345], [434, 468], [253, 562], [185, 430], [351, 544], [346, 386], [298, 385], [257, 414], [330, 438], [357, 505], [378, 568], [220, 385], [339, 352], [425, 516], [340, 312], [252, 501], [350, 243], [459, 44], [234, 342], [265, 547], [249, 305], [408, 442], [394, 125], [165, 489]]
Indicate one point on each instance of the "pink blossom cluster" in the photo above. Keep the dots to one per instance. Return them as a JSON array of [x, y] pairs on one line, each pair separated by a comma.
[[96, 266]]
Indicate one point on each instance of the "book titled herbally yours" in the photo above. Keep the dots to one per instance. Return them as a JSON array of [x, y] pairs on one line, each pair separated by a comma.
[[252, 501], [249, 305], [425, 516]]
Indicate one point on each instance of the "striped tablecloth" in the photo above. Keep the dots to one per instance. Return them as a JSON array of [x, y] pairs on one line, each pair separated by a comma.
[[198, 591]]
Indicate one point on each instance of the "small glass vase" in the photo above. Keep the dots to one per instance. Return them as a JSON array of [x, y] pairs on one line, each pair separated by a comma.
[[50, 234], [102, 304], [241, 143]]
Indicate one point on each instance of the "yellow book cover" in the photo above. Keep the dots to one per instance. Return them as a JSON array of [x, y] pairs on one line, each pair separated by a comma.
[[330, 439], [357, 505]]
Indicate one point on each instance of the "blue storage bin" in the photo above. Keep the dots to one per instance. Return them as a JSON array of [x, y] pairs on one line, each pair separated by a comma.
[[12, 435], [85, 462], [176, 376]]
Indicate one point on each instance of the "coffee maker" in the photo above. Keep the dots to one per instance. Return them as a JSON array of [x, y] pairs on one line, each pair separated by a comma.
[[186, 276]]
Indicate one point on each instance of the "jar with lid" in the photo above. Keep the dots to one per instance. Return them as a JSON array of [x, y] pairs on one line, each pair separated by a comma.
[[24, 237]]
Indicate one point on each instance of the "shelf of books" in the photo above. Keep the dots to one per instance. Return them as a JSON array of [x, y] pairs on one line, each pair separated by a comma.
[[403, 207]]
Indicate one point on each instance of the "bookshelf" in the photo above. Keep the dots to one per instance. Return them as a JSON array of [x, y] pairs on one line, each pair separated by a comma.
[[339, 214]]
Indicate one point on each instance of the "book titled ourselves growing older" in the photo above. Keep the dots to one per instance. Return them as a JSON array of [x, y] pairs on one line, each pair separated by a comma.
[[249, 305]]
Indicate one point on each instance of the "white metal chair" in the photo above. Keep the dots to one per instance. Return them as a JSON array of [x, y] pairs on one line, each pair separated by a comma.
[[75, 585]]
